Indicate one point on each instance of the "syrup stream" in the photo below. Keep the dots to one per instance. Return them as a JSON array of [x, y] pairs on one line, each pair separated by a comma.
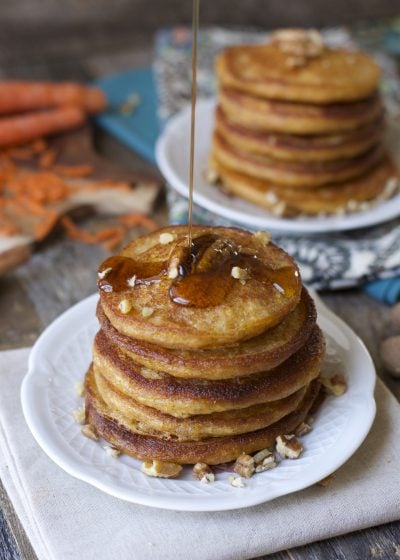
[[195, 27]]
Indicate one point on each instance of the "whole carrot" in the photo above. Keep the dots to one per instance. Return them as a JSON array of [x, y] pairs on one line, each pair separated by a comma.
[[23, 128], [18, 96]]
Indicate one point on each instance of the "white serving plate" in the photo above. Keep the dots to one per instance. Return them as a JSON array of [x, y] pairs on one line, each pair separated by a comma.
[[172, 154], [60, 358]]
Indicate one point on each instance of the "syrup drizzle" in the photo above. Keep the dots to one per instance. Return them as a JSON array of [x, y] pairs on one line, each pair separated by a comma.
[[204, 272], [195, 27]]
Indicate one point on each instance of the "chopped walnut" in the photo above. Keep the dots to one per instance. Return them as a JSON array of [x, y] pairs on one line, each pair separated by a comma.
[[288, 446], [147, 311], [299, 42], [244, 465], [264, 460], [125, 306], [202, 471], [173, 268], [131, 281], [303, 429], [161, 469], [240, 274], [79, 415], [207, 478], [263, 236], [211, 176], [335, 385], [103, 273], [237, 481], [79, 388], [111, 451], [166, 238], [89, 431]]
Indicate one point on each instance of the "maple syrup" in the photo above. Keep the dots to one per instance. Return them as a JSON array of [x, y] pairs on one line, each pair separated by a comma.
[[195, 28]]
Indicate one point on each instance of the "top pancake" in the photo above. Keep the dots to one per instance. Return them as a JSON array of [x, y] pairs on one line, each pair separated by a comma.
[[268, 71], [247, 308]]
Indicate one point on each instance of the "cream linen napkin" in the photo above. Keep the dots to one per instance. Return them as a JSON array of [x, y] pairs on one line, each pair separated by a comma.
[[66, 519]]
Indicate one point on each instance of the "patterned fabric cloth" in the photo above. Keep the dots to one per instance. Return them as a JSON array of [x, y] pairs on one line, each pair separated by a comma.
[[329, 261]]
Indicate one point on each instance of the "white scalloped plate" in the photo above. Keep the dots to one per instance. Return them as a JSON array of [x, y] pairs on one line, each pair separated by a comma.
[[60, 358], [172, 155]]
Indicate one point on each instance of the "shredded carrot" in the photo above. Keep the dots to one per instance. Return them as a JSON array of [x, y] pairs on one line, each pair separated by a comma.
[[47, 158], [39, 145], [137, 219], [84, 170], [22, 152]]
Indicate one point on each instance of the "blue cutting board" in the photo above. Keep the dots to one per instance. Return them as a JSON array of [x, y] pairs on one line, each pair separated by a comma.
[[139, 130]]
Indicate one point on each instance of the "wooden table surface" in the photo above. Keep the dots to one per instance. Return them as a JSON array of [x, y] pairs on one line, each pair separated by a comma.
[[63, 272]]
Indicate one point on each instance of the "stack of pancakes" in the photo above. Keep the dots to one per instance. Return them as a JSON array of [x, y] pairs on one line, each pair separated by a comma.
[[202, 353], [299, 127]]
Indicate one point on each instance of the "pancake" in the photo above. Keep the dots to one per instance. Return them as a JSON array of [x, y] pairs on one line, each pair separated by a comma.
[[307, 175], [150, 446], [187, 397], [214, 308], [261, 353], [356, 194], [146, 419], [292, 147], [259, 114], [267, 71]]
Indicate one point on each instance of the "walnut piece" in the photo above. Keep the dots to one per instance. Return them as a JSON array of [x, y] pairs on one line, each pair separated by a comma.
[[335, 385], [211, 175], [263, 236], [299, 42], [303, 429], [131, 281], [103, 273], [79, 415], [202, 472], [125, 306], [288, 446], [237, 481], [244, 465], [264, 460], [173, 268], [89, 431], [147, 311], [166, 238], [240, 274], [111, 451], [79, 388], [161, 469]]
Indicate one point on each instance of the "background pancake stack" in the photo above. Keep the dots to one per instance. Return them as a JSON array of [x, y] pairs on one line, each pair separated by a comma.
[[202, 354], [299, 127]]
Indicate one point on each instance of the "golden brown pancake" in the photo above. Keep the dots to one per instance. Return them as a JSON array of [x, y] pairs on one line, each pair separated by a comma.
[[268, 71], [261, 353], [303, 175], [153, 445], [187, 397], [331, 199], [217, 309], [292, 147], [146, 419], [259, 114]]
